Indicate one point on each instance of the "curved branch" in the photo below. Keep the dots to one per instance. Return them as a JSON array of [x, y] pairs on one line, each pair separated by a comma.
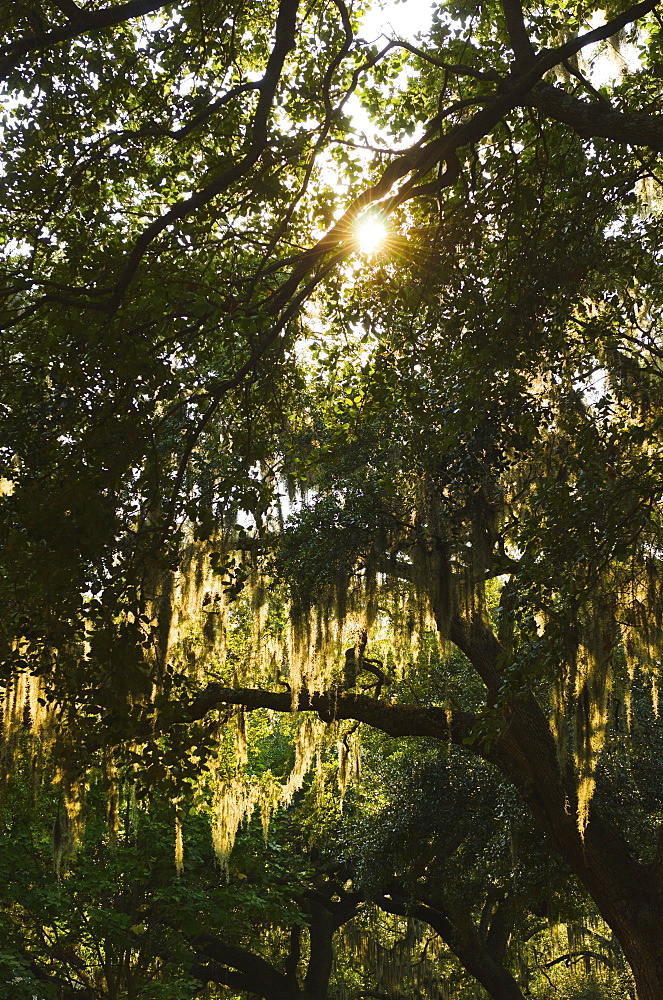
[[607, 30], [468, 948], [432, 150], [395, 720], [81, 22], [573, 956], [211, 109], [284, 42], [329, 116], [455, 69], [236, 967]]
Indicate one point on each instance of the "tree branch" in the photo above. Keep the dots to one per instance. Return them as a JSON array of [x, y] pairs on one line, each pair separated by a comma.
[[468, 948], [522, 47], [573, 956], [284, 42], [81, 22], [418, 161], [456, 69], [252, 973], [395, 720], [435, 918], [607, 30], [430, 151], [596, 119]]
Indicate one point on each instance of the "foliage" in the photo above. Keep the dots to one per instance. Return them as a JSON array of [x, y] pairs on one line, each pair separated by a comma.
[[119, 920], [244, 467]]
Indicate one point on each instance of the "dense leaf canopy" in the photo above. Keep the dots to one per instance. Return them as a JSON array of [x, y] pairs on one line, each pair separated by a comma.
[[262, 484]]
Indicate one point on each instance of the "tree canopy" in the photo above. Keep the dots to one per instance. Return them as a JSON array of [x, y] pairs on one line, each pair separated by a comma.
[[268, 491]]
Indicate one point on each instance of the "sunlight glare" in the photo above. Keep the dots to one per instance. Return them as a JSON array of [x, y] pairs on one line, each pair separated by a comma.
[[371, 235]]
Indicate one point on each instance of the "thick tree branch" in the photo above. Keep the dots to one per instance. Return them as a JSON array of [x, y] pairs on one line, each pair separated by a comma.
[[247, 970], [291, 964], [433, 149], [467, 947], [484, 651], [607, 30], [239, 982], [500, 927], [322, 925], [573, 956], [522, 47], [404, 906], [521, 746], [526, 753], [81, 22], [596, 119], [395, 720], [232, 965]]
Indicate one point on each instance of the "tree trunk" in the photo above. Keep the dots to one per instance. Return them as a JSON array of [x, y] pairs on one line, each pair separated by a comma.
[[627, 893], [639, 929], [648, 976], [322, 926]]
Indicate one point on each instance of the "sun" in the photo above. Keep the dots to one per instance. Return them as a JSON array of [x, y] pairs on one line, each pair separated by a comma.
[[371, 234]]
